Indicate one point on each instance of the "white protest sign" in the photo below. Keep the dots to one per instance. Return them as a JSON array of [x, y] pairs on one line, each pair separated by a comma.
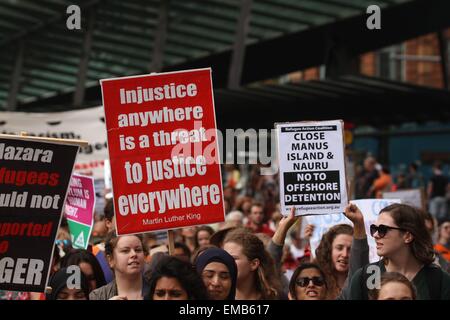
[[322, 223], [312, 167], [412, 197], [107, 173], [86, 124], [370, 209]]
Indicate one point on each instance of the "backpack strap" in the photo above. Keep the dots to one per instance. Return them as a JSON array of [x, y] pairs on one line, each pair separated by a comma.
[[434, 281]]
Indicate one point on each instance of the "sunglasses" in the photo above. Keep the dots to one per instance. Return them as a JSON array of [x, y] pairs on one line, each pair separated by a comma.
[[382, 229], [304, 281]]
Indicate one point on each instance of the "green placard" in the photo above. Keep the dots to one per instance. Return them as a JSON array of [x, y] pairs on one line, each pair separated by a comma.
[[79, 234]]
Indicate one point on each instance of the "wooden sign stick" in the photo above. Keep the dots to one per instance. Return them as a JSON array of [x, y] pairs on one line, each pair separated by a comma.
[[171, 238], [23, 136]]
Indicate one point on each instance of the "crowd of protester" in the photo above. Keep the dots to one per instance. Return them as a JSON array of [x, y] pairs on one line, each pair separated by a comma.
[[258, 253]]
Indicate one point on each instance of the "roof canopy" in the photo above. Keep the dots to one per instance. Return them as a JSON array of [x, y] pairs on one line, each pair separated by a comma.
[[45, 58]]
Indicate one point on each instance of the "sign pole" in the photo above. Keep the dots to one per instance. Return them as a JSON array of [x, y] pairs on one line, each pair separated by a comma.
[[171, 238]]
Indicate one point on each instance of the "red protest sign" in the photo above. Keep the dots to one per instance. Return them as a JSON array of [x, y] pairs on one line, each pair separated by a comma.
[[163, 151]]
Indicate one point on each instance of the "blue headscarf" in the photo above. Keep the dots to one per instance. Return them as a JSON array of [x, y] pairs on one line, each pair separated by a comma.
[[219, 255]]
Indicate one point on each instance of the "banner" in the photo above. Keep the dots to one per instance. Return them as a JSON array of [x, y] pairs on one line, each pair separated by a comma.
[[79, 209], [370, 209], [86, 124], [34, 178], [412, 197], [163, 151], [312, 167]]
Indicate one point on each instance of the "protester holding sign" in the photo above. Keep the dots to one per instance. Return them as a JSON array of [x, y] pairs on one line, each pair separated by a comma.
[[333, 257], [257, 277], [219, 273], [126, 257], [359, 252], [276, 244], [406, 247], [342, 251]]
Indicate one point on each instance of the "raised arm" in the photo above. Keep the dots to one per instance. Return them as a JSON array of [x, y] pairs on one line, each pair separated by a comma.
[[275, 247], [359, 253]]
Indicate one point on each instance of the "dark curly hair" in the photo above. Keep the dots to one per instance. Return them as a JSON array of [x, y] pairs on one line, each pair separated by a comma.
[[412, 220], [323, 256], [184, 272]]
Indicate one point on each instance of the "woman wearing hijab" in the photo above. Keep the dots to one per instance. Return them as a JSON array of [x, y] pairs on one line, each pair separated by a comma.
[[78, 288], [219, 273]]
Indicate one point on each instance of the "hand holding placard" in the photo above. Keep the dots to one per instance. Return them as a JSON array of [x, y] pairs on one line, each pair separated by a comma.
[[283, 227]]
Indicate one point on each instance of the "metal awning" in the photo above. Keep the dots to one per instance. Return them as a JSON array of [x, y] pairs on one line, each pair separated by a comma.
[[284, 35]]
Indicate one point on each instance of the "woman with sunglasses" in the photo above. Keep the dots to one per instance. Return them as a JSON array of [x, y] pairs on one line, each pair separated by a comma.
[[308, 283], [406, 247]]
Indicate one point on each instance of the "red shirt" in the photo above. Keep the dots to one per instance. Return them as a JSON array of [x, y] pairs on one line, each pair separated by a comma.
[[443, 251], [261, 229]]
